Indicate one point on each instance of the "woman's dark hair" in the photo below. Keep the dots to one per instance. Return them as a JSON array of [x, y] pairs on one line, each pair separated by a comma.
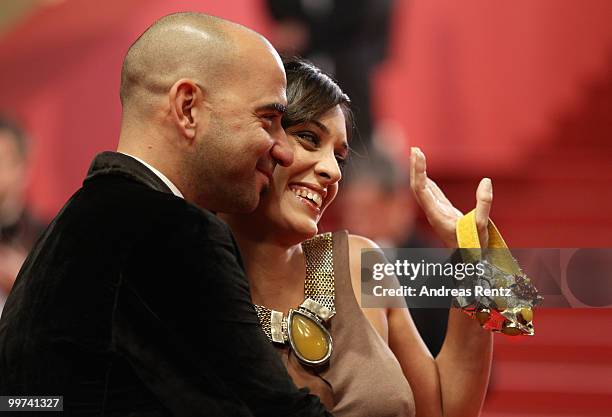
[[311, 93]]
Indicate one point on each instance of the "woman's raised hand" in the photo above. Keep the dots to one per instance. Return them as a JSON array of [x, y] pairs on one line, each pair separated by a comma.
[[441, 214]]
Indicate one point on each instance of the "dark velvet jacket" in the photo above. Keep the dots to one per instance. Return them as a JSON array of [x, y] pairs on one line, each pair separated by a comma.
[[135, 303]]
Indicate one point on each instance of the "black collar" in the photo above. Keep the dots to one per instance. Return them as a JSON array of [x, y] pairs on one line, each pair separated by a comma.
[[115, 163]]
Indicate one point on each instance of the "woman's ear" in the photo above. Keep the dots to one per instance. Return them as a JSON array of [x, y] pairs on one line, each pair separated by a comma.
[[185, 98]]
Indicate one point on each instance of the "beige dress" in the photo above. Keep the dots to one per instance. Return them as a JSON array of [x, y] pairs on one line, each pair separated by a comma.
[[363, 378]]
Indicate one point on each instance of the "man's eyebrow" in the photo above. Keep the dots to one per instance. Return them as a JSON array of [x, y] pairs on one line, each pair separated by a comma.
[[274, 107]]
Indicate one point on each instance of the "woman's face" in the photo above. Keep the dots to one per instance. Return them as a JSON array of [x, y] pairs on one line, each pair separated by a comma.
[[300, 193]]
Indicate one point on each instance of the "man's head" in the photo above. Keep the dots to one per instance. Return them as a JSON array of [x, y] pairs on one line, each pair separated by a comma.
[[13, 153], [202, 101]]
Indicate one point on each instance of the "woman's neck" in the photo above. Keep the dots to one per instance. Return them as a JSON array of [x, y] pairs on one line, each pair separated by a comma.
[[275, 270]]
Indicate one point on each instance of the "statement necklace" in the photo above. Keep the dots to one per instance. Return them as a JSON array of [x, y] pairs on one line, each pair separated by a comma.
[[303, 328]]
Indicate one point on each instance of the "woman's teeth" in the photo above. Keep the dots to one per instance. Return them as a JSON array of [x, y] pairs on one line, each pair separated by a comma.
[[312, 196]]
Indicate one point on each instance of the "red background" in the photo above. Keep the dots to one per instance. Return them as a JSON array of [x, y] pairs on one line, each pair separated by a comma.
[[518, 91]]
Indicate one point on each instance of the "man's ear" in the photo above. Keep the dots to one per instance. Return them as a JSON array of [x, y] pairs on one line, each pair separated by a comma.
[[185, 100]]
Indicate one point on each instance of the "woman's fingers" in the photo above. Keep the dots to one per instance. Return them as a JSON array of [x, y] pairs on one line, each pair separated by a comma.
[[442, 200], [412, 168], [428, 194], [484, 199], [418, 168], [423, 192], [439, 210]]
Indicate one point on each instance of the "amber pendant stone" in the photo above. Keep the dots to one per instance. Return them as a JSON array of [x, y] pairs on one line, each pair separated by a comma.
[[309, 339]]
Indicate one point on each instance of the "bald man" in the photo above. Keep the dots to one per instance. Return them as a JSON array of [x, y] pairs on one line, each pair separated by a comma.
[[134, 302]]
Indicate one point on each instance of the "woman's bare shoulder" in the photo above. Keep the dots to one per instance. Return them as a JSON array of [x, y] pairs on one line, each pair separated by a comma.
[[357, 242]]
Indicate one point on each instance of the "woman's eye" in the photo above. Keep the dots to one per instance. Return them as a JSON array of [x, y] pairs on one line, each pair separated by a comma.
[[309, 137], [341, 160]]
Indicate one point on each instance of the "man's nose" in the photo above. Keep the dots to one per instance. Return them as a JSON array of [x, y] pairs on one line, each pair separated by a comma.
[[281, 152]]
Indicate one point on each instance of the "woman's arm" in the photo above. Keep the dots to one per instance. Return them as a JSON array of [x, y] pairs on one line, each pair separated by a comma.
[[452, 384], [464, 365], [455, 383], [464, 362]]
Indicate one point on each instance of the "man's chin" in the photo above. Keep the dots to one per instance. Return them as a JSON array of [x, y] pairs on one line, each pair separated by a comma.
[[244, 207], [246, 200], [249, 204]]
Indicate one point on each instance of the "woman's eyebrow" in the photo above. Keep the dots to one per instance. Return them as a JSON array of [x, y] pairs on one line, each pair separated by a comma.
[[320, 125]]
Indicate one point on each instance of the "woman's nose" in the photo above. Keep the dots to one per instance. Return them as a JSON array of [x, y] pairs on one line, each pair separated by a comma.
[[329, 170]]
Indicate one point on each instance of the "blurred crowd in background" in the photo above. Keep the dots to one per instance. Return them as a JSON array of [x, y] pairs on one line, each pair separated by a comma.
[[519, 91], [18, 228]]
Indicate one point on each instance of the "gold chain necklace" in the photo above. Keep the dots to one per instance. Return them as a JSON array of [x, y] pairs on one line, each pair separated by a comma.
[[303, 328]]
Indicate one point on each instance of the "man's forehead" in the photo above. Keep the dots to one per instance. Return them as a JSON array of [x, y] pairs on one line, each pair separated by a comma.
[[269, 93], [261, 77], [262, 60]]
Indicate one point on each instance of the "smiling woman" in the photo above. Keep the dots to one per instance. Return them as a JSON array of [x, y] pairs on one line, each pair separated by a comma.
[[305, 287], [302, 285]]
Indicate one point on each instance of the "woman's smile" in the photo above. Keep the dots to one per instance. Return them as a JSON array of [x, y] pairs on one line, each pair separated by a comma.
[[311, 193]]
